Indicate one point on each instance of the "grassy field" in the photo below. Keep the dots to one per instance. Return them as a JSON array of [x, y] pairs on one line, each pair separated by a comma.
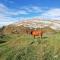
[[25, 47]]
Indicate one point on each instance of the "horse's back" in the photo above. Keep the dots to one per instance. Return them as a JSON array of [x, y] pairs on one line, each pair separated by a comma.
[[36, 32]]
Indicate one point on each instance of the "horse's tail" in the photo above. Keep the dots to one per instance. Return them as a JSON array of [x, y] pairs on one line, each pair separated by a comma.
[[31, 32]]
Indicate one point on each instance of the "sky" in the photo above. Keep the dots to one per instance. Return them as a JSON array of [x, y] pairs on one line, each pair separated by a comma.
[[15, 10]]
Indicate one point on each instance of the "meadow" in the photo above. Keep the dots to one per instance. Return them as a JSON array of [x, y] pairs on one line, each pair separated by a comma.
[[25, 47]]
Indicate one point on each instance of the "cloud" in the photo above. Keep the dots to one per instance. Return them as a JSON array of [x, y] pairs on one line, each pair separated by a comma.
[[53, 13], [36, 9], [32, 9], [5, 23], [3, 8], [8, 16], [19, 12]]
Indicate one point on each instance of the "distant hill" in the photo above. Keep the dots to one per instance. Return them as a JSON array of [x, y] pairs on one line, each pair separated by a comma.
[[25, 26]]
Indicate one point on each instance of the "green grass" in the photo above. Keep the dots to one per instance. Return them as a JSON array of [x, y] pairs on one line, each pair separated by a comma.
[[25, 47]]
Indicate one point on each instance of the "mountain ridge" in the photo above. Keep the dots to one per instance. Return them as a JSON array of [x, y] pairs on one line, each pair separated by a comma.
[[40, 23], [28, 25]]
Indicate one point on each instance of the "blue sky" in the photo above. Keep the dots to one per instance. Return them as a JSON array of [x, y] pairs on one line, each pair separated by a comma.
[[14, 10]]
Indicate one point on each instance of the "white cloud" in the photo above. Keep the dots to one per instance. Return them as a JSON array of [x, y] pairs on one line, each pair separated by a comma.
[[33, 9], [51, 13], [20, 12], [6, 10], [3, 8], [6, 14], [36, 9], [5, 23]]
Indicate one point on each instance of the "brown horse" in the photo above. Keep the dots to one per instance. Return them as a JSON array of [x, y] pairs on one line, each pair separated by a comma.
[[37, 33]]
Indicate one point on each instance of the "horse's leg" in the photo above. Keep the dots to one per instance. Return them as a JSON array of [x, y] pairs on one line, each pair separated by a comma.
[[41, 36], [34, 36]]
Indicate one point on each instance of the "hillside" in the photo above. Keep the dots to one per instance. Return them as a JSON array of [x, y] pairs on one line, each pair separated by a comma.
[[28, 25], [25, 47], [16, 42]]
